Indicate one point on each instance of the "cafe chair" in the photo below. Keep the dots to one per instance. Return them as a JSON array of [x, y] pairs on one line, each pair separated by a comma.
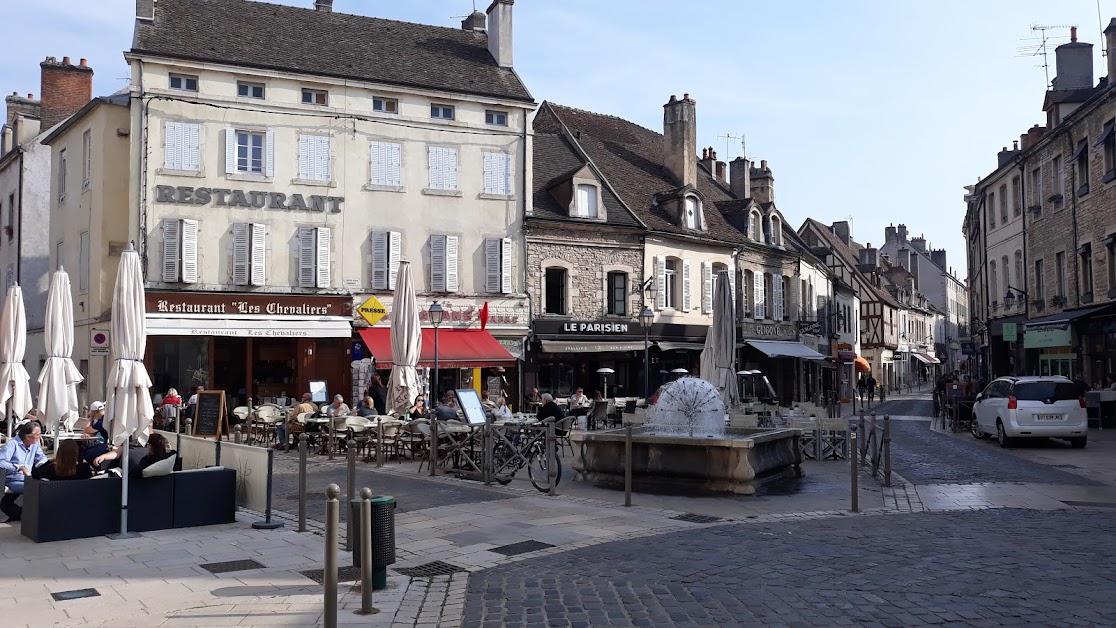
[[410, 438], [599, 416], [358, 429], [444, 446], [390, 443]]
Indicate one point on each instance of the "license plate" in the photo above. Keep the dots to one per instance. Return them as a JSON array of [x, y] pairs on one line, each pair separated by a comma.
[[1049, 417]]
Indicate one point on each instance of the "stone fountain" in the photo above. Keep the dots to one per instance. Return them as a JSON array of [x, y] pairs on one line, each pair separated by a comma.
[[685, 445]]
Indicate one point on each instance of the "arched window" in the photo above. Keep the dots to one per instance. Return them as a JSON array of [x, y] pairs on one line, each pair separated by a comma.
[[994, 279], [776, 231], [691, 213], [755, 228], [991, 210]]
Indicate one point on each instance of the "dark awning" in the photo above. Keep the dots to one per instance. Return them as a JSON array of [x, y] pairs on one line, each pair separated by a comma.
[[1109, 129], [589, 346], [785, 349], [1063, 317]]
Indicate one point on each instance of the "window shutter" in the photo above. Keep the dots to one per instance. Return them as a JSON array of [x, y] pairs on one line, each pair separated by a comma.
[[259, 255], [306, 257], [686, 285], [377, 165], [757, 306], [304, 157], [506, 265], [189, 251], [449, 165], [323, 257], [230, 150], [191, 147], [171, 248], [732, 290], [437, 263], [386, 163], [241, 253], [777, 296], [395, 165], [490, 174], [492, 266], [379, 260], [172, 149], [706, 287], [451, 263], [660, 282], [269, 154], [324, 158], [395, 251], [437, 171], [505, 176]]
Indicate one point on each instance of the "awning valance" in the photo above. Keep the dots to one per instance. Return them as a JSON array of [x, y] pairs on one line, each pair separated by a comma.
[[457, 348], [577, 346], [323, 327], [665, 345], [1062, 317], [925, 358], [785, 349]]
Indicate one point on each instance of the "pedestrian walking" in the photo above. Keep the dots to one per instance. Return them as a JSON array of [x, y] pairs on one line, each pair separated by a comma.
[[871, 385]]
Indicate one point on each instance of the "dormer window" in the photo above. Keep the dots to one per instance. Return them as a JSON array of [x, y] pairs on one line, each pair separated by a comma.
[[755, 229], [776, 232], [691, 213], [585, 205]]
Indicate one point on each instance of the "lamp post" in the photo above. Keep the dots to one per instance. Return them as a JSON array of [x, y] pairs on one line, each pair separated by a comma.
[[646, 316], [436, 313]]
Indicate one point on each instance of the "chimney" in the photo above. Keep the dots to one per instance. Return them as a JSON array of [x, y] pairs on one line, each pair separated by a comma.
[[919, 244], [475, 22], [500, 32], [763, 184], [20, 106], [1004, 156], [901, 232], [708, 159], [145, 10], [66, 88], [323, 5], [905, 258], [1074, 62], [938, 256], [868, 257], [740, 177], [1110, 45], [721, 172], [680, 140], [841, 230], [889, 234]]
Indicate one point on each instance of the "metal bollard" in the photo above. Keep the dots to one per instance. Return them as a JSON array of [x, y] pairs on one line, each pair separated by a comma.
[[379, 442], [887, 449], [267, 523], [236, 434], [854, 480], [329, 578], [302, 447], [628, 465], [433, 456], [551, 459], [189, 431], [366, 585], [350, 493]]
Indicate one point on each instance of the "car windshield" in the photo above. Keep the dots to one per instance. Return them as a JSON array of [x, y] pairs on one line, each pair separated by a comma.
[[1044, 391]]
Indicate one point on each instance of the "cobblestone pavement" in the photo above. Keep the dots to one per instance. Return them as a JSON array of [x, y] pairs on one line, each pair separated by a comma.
[[986, 568]]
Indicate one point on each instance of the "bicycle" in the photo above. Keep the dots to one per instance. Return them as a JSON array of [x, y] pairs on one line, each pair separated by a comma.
[[534, 457]]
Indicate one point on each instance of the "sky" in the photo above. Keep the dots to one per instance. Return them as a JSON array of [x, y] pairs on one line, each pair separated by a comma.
[[873, 111]]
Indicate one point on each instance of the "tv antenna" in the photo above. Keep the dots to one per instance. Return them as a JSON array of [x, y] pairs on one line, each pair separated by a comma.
[[1040, 42], [728, 137]]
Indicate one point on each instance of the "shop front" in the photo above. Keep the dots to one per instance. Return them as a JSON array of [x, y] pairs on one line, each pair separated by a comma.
[[773, 348], [1072, 343], [262, 346]]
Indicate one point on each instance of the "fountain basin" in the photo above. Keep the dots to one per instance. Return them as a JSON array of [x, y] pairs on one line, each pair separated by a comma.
[[740, 462]]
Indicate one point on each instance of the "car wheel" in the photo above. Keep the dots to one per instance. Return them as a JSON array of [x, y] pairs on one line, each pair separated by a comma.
[[1001, 435], [974, 428], [1078, 443]]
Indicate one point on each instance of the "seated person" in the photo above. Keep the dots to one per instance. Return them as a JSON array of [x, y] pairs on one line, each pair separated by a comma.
[[579, 403], [67, 465], [534, 397], [157, 449], [550, 413], [367, 407], [502, 412], [446, 410], [96, 427], [419, 409], [18, 457], [281, 427], [337, 408]]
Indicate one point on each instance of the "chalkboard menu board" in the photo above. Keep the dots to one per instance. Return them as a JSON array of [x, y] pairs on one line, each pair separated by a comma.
[[209, 415]]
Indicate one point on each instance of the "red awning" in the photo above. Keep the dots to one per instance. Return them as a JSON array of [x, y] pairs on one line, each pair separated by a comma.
[[457, 348]]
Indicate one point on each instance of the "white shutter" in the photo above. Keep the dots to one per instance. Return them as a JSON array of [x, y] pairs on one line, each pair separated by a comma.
[[324, 158], [379, 260], [191, 147], [506, 265], [189, 251], [451, 263], [230, 150], [241, 253], [777, 296], [449, 163], [306, 257], [707, 282], [686, 285], [437, 263], [304, 157], [492, 265], [757, 306], [395, 251], [172, 146], [385, 164], [506, 178], [377, 164], [259, 255], [395, 165], [269, 154], [660, 282], [323, 257], [437, 169], [171, 247], [490, 174], [732, 290]]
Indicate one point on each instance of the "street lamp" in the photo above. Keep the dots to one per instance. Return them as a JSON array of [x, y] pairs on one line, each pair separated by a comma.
[[646, 317], [436, 313], [1009, 298]]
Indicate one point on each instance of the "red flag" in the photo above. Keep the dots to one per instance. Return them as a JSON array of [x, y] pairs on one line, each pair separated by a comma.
[[484, 315]]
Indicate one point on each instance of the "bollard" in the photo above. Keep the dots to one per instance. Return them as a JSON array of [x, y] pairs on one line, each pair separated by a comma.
[[628, 465], [379, 442], [267, 523], [302, 446], [189, 430], [551, 459], [350, 493], [853, 479], [236, 433], [217, 452], [329, 578], [433, 444], [887, 450], [366, 586]]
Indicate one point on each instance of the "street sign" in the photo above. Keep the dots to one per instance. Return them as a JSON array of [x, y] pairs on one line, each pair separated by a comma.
[[810, 328], [98, 342], [372, 310]]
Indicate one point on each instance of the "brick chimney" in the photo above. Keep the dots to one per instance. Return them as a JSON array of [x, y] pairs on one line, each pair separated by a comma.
[[66, 88], [500, 32], [475, 22], [708, 159], [18, 105], [1074, 61], [763, 184], [740, 177], [680, 140], [1110, 45], [1033, 135]]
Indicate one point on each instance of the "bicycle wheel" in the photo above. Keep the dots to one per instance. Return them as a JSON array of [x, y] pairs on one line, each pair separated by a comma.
[[537, 471], [501, 455]]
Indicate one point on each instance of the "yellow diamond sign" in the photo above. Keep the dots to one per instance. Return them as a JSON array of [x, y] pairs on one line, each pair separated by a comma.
[[372, 310]]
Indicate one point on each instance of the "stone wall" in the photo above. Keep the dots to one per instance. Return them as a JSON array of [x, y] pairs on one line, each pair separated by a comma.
[[588, 257]]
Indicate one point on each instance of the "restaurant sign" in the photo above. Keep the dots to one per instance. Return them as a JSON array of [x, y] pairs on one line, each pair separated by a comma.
[[767, 330], [588, 328], [252, 199], [232, 303]]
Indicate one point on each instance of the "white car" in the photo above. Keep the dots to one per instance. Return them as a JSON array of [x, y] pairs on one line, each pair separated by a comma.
[[1031, 407]]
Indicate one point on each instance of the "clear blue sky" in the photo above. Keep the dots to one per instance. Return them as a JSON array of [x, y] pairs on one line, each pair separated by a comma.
[[879, 110]]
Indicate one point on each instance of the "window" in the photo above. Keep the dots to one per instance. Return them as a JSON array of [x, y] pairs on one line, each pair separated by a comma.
[[769, 299], [1060, 273], [387, 249], [1110, 246], [314, 158], [1006, 274], [1081, 167], [386, 162], [754, 229], [776, 232], [314, 257], [991, 209], [1040, 282], [497, 174], [498, 265], [182, 146], [587, 201], [184, 82], [62, 175], [555, 290], [180, 250], [11, 216], [1059, 177], [86, 157], [759, 292], [1003, 204], [58, 256], [1019, 269], [1108, 139], [249, 90], [441, 112], [994, 279], [617, 293], [315, 97], [1086, 253], [443, 168], [83, 262], [670, 283], [385, 105], [496, 118], [1036, 187], [749, 291], [691, 213], [782, 295], [249, 251], [443, 263], [250, 150], [1016, 197]]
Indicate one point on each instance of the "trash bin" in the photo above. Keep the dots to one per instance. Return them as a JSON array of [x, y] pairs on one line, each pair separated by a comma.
[[383, 537]]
